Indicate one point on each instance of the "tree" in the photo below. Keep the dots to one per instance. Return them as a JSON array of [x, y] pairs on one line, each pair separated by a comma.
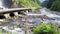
[[47, 3], [50, 3], [56, 5]]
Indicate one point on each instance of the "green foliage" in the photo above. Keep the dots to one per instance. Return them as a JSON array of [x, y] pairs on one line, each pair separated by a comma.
[[29, 3], [46, 29], [0, 31], [56, 5]]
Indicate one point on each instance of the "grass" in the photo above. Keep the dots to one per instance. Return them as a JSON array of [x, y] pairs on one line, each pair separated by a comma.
[[0, 31], [5, 33], [59, 30], [29, 4]]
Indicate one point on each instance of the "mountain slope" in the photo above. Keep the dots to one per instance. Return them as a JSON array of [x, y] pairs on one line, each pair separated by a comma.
[[34, 4]]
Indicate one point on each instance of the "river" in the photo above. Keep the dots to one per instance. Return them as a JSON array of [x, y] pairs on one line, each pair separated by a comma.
[[33, 18], [16, 26]]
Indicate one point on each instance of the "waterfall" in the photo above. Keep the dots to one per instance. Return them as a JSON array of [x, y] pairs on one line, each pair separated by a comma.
[[5, 3], [41, 1], [1, 4]]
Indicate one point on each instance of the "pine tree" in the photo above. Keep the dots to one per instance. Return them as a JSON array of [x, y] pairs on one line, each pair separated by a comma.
[[50, 3]]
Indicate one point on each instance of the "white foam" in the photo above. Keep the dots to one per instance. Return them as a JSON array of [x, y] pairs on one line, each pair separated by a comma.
[[47, 13]]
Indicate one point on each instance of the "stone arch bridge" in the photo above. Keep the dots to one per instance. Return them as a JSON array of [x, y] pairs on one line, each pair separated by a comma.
[[5, 13]]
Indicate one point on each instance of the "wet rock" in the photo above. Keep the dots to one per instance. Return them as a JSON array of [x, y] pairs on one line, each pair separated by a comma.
[[45, 17]]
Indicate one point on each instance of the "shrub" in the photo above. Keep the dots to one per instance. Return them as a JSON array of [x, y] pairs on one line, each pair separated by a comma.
[[33, 4], [46, 29]]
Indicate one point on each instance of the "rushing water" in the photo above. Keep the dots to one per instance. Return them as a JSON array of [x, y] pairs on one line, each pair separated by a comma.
[[1, 4], [41, 1], [5, 4], [48, 14], [33, 19]]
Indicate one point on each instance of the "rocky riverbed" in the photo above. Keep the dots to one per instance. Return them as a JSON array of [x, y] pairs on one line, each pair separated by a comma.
[[32, 18]]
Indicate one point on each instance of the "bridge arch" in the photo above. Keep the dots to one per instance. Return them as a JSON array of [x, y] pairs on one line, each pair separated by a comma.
[[2, 16], [11, 14]]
